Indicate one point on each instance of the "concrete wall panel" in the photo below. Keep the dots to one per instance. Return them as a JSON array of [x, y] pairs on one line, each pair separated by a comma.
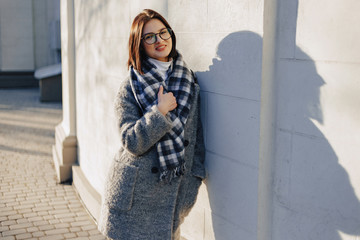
[[330, 34], [233, 15], [186, 21], [234, 200], [237, 63], [339, 100], [299, 96], [233, 134], [136, 6], [315, 197], [200, 48]]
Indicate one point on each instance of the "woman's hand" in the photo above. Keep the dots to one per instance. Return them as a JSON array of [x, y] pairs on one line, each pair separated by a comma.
[[166, 102]]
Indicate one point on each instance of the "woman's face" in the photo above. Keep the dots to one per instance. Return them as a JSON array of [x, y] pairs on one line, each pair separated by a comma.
[[161, 49]]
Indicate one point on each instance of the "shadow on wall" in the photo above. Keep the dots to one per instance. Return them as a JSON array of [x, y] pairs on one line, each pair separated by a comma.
[[314, 198], [231, 108]]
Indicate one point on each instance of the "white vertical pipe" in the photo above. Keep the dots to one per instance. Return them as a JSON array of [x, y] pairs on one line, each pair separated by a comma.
[[267, 122], [68, 68], [72, 68]]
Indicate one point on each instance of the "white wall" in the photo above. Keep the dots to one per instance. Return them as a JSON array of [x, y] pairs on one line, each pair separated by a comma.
[[101, 32], [25, 34], [316, 180], [222, 42], [317, 131], [16, 39], [226, 55], [46, 36]]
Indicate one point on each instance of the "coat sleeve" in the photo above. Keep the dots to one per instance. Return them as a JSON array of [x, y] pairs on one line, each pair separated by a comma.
[[138, 131], [198, 168]]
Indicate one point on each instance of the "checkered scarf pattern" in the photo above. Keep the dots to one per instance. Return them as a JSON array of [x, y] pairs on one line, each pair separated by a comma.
[[180, 82]]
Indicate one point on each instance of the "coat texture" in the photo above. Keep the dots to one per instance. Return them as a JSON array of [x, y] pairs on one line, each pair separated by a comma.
[[136, 205]]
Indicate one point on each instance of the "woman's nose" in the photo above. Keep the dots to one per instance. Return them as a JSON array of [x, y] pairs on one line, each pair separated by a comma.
[[158, 39]]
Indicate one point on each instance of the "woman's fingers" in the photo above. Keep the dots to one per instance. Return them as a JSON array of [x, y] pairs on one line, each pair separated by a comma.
[[161, 90], [166, 102]]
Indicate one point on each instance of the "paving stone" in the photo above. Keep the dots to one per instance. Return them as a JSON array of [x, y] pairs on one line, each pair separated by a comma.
[[75, 229], [63, 225], [8, 238], [38, 234], [20, 226], [57, 231], [23, 236], [40, 209], [32, 229], [69, 235], [35, 219], [43, 213], [12, 204], [4, 228], [23, 211], [7, 209], [82, 234], [67, 219], [58, 207], [41, 204], [65, 215], [94, 232], [61, 211], [33, 205], [15, 217], [80, 223], [82, 213], [30, 215], [41, 223], [48, 217], [82, 218], [88, 227], [8, 213], [97, 237], [52, 237], [46, 227], [13, 232], [24, 206], [8, 223]]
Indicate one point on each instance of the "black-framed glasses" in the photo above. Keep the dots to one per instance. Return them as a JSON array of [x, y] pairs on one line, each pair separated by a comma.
[[151, 38]]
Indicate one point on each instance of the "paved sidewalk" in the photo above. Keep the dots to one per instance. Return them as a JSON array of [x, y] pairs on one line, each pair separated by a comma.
[[32, 204]]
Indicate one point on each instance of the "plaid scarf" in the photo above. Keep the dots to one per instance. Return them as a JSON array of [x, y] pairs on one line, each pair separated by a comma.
[[180, 82]]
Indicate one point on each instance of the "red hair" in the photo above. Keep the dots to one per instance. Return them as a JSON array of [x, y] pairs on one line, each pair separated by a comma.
[[136, 51]]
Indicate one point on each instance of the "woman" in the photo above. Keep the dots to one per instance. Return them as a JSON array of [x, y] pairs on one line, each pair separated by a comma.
[[154, 179]]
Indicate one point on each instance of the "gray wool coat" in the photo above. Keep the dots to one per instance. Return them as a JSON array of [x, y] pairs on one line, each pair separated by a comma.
[[136, 205]]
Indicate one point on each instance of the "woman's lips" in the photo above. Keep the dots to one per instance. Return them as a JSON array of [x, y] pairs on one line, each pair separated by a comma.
[[160, 48]]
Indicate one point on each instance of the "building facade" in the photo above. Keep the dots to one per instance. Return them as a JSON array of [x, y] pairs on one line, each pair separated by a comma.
[[280, 111], [29, 39]]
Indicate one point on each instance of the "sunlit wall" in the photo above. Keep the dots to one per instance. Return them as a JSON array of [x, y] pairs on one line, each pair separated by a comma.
[[315, 190]]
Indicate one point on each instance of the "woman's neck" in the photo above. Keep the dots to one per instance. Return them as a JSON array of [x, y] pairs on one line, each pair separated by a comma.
[[161, 66]]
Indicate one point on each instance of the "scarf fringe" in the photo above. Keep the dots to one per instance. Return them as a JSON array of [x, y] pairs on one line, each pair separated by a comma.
[[168, 175]]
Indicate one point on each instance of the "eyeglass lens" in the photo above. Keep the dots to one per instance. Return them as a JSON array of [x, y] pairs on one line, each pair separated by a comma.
[[151, 38]]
